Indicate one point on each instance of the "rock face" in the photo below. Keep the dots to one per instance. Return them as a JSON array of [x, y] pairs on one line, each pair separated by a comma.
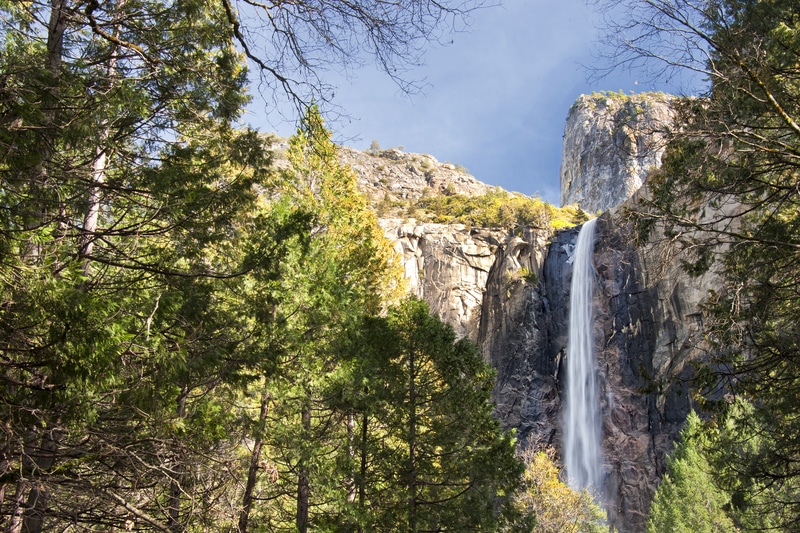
[[398, 174], [611, 141], [522, 333], [447, 266], [403, 175], [647, 327]]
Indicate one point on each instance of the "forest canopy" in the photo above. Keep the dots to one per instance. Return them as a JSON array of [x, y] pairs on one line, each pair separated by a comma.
[[184, 326]]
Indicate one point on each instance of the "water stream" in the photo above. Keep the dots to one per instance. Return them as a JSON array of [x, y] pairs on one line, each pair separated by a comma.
[[582, 424]]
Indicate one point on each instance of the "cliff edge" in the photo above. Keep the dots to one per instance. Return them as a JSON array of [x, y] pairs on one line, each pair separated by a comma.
[[611, 142]]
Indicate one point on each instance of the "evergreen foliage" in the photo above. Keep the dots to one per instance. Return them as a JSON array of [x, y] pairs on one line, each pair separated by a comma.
[[688, 499], [346, 270], [733, 449], [430, 454]]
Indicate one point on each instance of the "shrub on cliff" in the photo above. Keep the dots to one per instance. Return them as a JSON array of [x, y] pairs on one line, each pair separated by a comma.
[[497, 209]]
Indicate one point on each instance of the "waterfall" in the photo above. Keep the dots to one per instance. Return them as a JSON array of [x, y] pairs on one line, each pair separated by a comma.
[[582, 424]]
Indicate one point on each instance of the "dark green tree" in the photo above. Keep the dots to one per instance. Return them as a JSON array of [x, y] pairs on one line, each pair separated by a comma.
[[427, 453], [118, 204], [733, 451]]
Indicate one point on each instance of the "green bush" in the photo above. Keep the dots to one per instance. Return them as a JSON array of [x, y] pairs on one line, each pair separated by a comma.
[[528, 275]]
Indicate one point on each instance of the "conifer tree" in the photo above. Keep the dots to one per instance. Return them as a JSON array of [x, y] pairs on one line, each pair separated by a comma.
[[429, 454], [688, 498], [347, 270]]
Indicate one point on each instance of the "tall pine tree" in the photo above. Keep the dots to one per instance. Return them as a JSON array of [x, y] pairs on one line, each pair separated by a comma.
[[427, 453]]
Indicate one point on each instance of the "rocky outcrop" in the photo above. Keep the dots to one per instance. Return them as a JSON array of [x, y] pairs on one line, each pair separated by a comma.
[[397, 175], [403, 175], [447, 266], [611, 142], [646, 313]]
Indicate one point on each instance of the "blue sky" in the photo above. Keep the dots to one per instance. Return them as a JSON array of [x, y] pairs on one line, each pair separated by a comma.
[[495, 100]]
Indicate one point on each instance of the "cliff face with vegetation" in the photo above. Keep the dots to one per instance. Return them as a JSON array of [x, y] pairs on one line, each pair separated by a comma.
[[507, 289], [447, 266]]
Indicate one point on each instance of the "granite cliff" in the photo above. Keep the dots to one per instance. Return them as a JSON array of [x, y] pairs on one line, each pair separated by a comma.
[[401, 175], [508, 290], [611, 141], [447, 266], [647, 322]]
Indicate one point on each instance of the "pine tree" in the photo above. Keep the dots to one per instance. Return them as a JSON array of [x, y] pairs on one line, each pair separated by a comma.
[[347, 270], [427, 454], [688, 498]]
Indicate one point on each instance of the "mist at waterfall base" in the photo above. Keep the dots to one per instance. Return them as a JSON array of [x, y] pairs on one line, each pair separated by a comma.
[[582, 424]]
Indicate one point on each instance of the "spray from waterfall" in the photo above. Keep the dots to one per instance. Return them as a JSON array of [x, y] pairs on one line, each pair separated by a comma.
[[582, 424]]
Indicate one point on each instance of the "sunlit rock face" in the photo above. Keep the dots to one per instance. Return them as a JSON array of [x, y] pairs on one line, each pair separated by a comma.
[[611, 142], [404, 175], [447, 265]]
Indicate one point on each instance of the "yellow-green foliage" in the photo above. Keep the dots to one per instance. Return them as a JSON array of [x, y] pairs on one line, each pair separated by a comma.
[[622, 96], [557, 508], [567, 216], [496, 209]]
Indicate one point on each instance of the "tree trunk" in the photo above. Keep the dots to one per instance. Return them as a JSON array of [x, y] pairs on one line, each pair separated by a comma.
[[38, 213], [28, 517], [175, 491], [362, 481], [255, 465], [15, 522], [350, 482], [55, 35], [302, 478], [412, 444], [99, 165]]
